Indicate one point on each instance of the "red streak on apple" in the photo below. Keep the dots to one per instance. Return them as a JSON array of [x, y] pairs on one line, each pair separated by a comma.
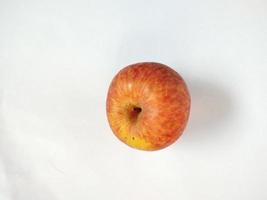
[[148, 105]]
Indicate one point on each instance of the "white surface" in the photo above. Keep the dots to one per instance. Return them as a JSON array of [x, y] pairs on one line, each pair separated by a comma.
[[57, 59]]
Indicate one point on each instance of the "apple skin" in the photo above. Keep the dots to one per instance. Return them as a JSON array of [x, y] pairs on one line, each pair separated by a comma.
[[148, 105]]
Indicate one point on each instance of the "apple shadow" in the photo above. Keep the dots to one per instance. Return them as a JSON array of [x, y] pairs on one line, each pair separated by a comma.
[[211, 109]]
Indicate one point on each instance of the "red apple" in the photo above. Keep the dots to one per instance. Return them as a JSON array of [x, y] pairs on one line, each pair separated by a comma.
[[148, 105]]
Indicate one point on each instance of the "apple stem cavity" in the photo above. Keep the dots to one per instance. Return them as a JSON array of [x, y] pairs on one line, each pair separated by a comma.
[[134, 113], [137, 109]]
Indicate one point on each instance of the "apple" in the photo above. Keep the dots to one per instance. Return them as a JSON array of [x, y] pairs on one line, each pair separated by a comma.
[[148, 105]]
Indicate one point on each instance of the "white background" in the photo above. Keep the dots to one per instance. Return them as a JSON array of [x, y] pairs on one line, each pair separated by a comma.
[[57, 58]]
